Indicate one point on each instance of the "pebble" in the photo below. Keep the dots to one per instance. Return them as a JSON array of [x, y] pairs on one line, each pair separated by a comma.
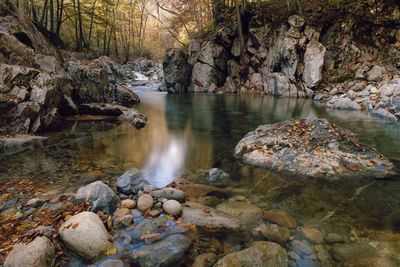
[[154, 213], [35, 202], [280, 217], [312, 234]]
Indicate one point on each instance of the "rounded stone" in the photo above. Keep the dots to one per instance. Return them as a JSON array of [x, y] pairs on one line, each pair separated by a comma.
[[145, 202], [128, 203], [172, 207], [85, 234], [312, 234]]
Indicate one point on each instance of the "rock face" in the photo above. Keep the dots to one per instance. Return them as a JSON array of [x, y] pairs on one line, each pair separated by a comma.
[[32, 81], [259, 254], [38, 253], [130, 183], [311, 147], [100, 196], [313, 62], [85, 233], [176, 71], [91, 81]]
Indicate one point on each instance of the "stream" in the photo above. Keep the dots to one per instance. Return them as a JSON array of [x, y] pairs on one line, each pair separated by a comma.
[[186, 135]]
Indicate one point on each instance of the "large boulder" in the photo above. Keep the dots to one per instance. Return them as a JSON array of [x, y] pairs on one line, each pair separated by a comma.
[[311, 147], [100, 196], [85, 234], [38, 253], [259, 254], [176, 71]]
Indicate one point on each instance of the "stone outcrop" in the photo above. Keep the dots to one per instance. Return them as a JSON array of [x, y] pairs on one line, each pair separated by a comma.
[[311, 147], [177, 71]]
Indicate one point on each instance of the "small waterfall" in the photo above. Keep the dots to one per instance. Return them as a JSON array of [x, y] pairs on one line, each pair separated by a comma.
[[139, 76]]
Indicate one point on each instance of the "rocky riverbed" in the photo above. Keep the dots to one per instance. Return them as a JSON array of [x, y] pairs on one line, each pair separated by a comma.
[[182, 223]]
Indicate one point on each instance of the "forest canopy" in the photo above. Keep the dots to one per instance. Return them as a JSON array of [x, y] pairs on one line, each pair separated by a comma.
[[125, 28]]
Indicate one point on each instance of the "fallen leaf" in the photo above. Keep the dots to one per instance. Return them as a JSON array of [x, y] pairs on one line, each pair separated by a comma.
[[75, 225], [280, 168], [111, 251]]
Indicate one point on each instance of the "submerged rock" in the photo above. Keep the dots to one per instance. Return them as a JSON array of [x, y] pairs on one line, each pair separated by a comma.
[[85, 233], [217, 176], [100, 196], [208, 217], [247, 213], [259, 254], [280, 217], [38, 253], [164, 252], [311, 147]]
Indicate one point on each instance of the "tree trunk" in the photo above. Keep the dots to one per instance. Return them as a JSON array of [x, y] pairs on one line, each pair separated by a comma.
[[91, 24]]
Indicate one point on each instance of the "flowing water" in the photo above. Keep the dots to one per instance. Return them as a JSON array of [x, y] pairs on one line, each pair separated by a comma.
[[188, 134]]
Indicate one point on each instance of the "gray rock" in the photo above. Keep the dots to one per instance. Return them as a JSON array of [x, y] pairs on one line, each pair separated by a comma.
[[205, 260], [35, 202], [313, 62], [384, 113], [343, 103], [176, 71], [198, 217], [230, 86], [203, 76], [145, 202], [194, 48], [130, 183], [333, 238], [318, 97], [269, 146], [301, 248], [128, 203], [376, 73], [164, 252], [256, 82], [343, 252], [276, 233], [259, 254], [387, 89], [233, 69], [38, 253], [247, 213], [100, 109], [121, 222], [147, 226], [8, 204], [296, 21], [111, 263], [217, 176], [172, 207], [169, 193], [100, 196], [277, 84], [85, 233]]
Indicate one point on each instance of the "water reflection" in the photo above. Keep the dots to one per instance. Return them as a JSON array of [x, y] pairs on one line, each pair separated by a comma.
[[164, 163]]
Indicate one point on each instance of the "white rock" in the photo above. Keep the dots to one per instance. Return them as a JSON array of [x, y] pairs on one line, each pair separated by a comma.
[[313, 62], [172, 207], [38, 253], [85, 233]]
